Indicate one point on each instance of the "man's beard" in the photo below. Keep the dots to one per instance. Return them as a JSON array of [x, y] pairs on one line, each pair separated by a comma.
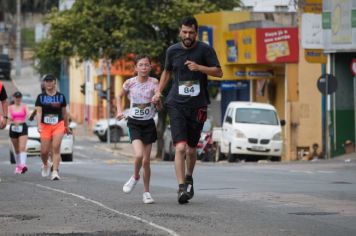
[[188, 42]]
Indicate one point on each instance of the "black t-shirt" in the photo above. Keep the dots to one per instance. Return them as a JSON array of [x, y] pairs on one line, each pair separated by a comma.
[[189, 88], [51, 107], [3, 94]]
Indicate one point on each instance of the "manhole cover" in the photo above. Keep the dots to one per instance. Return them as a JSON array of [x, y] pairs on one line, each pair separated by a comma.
[[313, 213]]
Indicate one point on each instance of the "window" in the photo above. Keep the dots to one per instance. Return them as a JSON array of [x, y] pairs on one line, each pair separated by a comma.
[[256, 116], [281, 8], [228, 118]]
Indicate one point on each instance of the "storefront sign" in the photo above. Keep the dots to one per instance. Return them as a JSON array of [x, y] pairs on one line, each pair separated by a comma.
[[313, 6], [234, 85], [339, 25], [277, 45], [315, 56]]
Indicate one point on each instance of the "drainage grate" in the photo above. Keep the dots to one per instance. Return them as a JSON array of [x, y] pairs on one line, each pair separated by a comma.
[[314, 213], [19, 217]]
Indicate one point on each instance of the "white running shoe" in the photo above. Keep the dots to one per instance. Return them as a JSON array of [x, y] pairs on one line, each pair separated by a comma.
[[55, 175], [147, 198], [130, 185], [44, 171]]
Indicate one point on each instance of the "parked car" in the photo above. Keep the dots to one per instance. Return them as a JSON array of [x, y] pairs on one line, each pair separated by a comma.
[[118, 128], [5, 67], [33, 147], [205, 147], [250, 129]]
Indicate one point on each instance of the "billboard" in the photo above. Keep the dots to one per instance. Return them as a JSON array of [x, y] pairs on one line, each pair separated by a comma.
[[277, 45]]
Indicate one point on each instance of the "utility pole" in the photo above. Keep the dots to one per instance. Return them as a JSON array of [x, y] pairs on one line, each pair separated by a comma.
[[108, 102], [18, 37]]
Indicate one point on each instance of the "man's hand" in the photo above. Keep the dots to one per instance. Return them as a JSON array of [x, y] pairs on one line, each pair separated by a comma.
[[192, 65], [156, 98]]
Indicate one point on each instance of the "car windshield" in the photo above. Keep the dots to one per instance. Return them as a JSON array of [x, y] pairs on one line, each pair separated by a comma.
[[256, 116], [28, 100]]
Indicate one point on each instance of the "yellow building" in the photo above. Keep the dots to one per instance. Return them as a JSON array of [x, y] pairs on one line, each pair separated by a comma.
[[268, 58]]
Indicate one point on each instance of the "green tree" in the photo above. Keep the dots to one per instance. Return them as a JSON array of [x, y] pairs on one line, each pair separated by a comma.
[[114, 28]]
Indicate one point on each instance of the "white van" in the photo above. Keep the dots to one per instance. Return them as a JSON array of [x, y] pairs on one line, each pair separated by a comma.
[[251, 129]]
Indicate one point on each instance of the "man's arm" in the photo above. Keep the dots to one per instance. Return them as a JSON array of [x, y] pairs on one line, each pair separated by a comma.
[[165, 76], [212, 71]]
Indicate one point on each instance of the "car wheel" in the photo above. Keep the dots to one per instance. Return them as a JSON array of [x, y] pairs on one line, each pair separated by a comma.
[[12, 158], [67, 157], [115, 134], [218, 154], [230, 157]]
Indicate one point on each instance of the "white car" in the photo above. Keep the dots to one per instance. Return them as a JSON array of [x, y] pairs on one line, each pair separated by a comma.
[[250, 129], [33, 146], [118, 128]]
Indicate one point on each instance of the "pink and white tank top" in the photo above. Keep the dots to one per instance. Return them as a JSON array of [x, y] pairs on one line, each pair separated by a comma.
[[20, 115], [140, 95]]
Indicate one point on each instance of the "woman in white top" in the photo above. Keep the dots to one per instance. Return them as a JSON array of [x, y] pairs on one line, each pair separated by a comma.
[[142, 129]]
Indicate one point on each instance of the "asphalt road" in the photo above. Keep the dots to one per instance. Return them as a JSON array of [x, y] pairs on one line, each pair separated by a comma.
[[231, 199]]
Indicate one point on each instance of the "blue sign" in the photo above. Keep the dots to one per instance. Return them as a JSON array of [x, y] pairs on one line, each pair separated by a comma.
[[234, 85], [205, 34]]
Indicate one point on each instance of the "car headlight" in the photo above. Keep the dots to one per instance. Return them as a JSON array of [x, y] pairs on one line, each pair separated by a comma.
[[239, 134], [277, 136]]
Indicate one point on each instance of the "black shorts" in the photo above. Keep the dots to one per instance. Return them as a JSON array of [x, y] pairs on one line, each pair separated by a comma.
[[187, 124], [14, 134], [144, 130]]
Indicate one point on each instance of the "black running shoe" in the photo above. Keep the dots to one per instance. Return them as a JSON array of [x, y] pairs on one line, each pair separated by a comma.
[[183, 196], [189, 186]]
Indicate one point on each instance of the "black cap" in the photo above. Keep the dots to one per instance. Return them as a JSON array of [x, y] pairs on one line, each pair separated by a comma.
[[48, 77], [17, 94]]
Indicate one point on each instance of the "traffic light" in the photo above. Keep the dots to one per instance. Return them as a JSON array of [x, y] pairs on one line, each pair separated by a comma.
[[82, 88]]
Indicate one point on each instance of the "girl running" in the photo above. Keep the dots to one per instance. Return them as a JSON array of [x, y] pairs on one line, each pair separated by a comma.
[[19, 132], [52, 120], [142, 129]]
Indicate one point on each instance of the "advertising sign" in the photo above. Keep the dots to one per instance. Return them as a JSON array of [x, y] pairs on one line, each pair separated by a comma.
[[205, 35], [339, 25], [312, 31], [277, 45]]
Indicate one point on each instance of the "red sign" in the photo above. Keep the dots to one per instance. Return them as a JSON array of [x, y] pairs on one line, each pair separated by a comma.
[[277, 45], [353, 66]]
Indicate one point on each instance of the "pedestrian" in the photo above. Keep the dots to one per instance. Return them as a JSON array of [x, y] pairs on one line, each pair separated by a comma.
[[18, 131], [4, 106], [142, 129], [52, 120], [190, 61]]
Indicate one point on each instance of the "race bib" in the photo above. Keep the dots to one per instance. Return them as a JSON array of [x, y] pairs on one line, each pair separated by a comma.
[[50, 119], [189, 88], [142, 111], [17, 129]]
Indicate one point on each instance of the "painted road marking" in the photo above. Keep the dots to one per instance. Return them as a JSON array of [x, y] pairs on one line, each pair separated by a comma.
[[169, 231]]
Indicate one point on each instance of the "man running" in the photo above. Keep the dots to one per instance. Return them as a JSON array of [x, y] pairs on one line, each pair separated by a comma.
[[190, 61]]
